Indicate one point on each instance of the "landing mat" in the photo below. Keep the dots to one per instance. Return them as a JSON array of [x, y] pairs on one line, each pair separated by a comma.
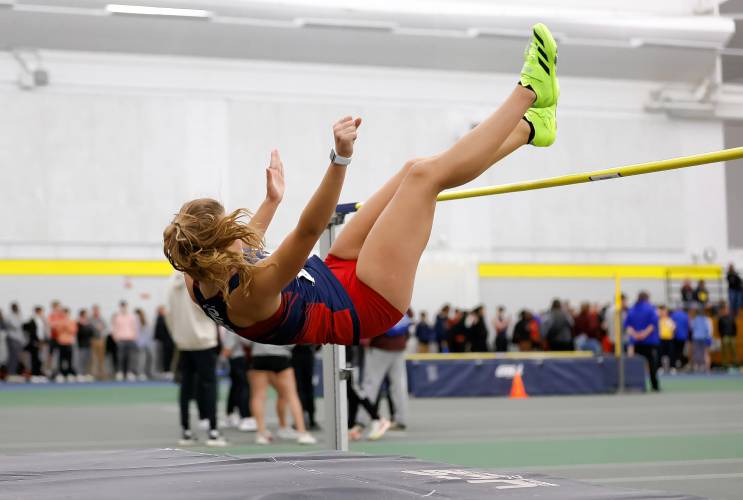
[[184, 475]]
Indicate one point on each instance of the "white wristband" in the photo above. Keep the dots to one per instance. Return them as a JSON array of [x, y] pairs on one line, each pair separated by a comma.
[[337, 159]]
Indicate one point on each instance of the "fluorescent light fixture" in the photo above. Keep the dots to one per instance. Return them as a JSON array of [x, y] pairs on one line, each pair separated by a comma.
[[349, 24], [142, 10], [7, 3]]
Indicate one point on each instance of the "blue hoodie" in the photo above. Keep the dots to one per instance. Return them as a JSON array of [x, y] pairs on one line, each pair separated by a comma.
[[639, 317], [681, 319], [700, 328]]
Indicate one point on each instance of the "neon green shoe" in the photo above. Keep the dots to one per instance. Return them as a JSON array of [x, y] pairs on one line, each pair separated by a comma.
[[544, 121], [539, 72]]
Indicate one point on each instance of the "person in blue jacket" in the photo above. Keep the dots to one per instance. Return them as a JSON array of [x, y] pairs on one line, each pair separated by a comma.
[[641, 325], [680, 337]]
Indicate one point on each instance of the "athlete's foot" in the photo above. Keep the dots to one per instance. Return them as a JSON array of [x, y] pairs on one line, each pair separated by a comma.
[[539, 73], [543, 123]]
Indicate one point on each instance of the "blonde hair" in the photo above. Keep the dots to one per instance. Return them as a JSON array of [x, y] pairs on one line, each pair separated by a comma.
[[197, 243]]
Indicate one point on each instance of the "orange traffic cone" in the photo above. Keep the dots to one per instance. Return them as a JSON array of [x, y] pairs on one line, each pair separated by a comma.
[[517, 388]]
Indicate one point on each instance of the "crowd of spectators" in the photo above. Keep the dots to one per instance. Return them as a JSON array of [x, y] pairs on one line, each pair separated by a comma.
[[66, 347], [671, 339]]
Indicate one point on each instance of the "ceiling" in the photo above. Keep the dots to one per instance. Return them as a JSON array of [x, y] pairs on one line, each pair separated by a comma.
[[661, 40]]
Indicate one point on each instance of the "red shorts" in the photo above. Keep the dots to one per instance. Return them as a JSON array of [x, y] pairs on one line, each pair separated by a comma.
[[376, 315]]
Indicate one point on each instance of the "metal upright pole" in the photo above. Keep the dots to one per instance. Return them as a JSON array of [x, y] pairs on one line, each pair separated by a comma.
[[333, 370]]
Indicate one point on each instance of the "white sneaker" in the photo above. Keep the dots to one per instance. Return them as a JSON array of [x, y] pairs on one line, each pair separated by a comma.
[[287, 433], [232, 420], [143, 378], [247, 425], [378, 428], [263, 439], [204, 424], [187, 439], [130, 377], [306, 438], [81, 378], [216, 439], [59, 378], [119, 376]]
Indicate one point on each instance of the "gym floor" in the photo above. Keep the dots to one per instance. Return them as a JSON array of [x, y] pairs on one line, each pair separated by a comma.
[[689, 438]]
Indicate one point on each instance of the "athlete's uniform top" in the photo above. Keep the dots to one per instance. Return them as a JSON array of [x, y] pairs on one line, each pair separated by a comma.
[[325, 303]]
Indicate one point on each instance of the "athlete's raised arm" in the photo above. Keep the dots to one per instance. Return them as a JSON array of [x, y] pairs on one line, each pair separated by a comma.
[[275, 186], [288, 259]]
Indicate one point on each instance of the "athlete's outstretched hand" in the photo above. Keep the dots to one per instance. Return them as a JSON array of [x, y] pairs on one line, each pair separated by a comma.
[[275, 184], [345, 133]]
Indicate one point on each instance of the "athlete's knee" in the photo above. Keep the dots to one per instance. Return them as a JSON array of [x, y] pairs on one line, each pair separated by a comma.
[[424, 172]]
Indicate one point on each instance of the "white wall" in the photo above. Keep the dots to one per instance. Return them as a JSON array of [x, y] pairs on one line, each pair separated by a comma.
[[95, 165]]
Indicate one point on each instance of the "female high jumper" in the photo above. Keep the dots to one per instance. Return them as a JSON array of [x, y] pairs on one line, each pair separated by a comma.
[[366, 282]]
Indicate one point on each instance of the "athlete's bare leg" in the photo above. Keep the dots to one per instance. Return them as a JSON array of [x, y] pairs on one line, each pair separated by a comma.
[[389, 257], [350, 240]]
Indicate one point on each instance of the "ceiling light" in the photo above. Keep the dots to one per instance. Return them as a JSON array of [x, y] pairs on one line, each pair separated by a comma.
[[351, 24], [7, 3], [141, 10]]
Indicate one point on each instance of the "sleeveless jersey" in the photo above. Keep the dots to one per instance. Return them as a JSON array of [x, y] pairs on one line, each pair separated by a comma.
[[315, 309]]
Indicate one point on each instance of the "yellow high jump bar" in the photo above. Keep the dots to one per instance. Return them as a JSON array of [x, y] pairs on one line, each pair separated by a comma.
[[596, 175]]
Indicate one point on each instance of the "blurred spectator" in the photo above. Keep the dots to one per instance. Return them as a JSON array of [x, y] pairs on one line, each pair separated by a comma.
[[457, 332], [385, 356], [477, 330], [66, 336], [501, 322], [441, 327], [642, 329], [728, 329], [587, 329], [162, 335], [238, 399], [610, 320], [3, 342], [55, 316], [98, 343], [687, 294], [147, 367], [701, 294], [37, 331], [271, 365], [735, 290], [124, 333], [85, 335], [557, 328], [522, 336], [701, 335], [303, 362], [16, 342], [424, 333], [195, 335], [667, 330], [681, 331]]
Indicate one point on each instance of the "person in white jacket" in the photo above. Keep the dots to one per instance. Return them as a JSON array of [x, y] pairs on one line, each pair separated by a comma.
[[195, 335]]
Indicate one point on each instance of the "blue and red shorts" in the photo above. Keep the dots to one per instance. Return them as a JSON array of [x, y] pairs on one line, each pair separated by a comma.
[[376, 315]]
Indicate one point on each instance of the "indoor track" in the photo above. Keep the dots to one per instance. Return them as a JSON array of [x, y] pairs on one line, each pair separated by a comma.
[[687, 439]]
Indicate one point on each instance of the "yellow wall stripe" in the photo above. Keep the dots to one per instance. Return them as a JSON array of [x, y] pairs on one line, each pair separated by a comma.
[[599, 271], [152, 268]]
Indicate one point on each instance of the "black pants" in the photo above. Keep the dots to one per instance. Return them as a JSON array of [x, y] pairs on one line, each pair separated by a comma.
[[650, 353], [199, 367], [36, 366], [166, 352], [354, 401], [65, 360], [501, 342], [677, 354], [239, 395], [303, 362]]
